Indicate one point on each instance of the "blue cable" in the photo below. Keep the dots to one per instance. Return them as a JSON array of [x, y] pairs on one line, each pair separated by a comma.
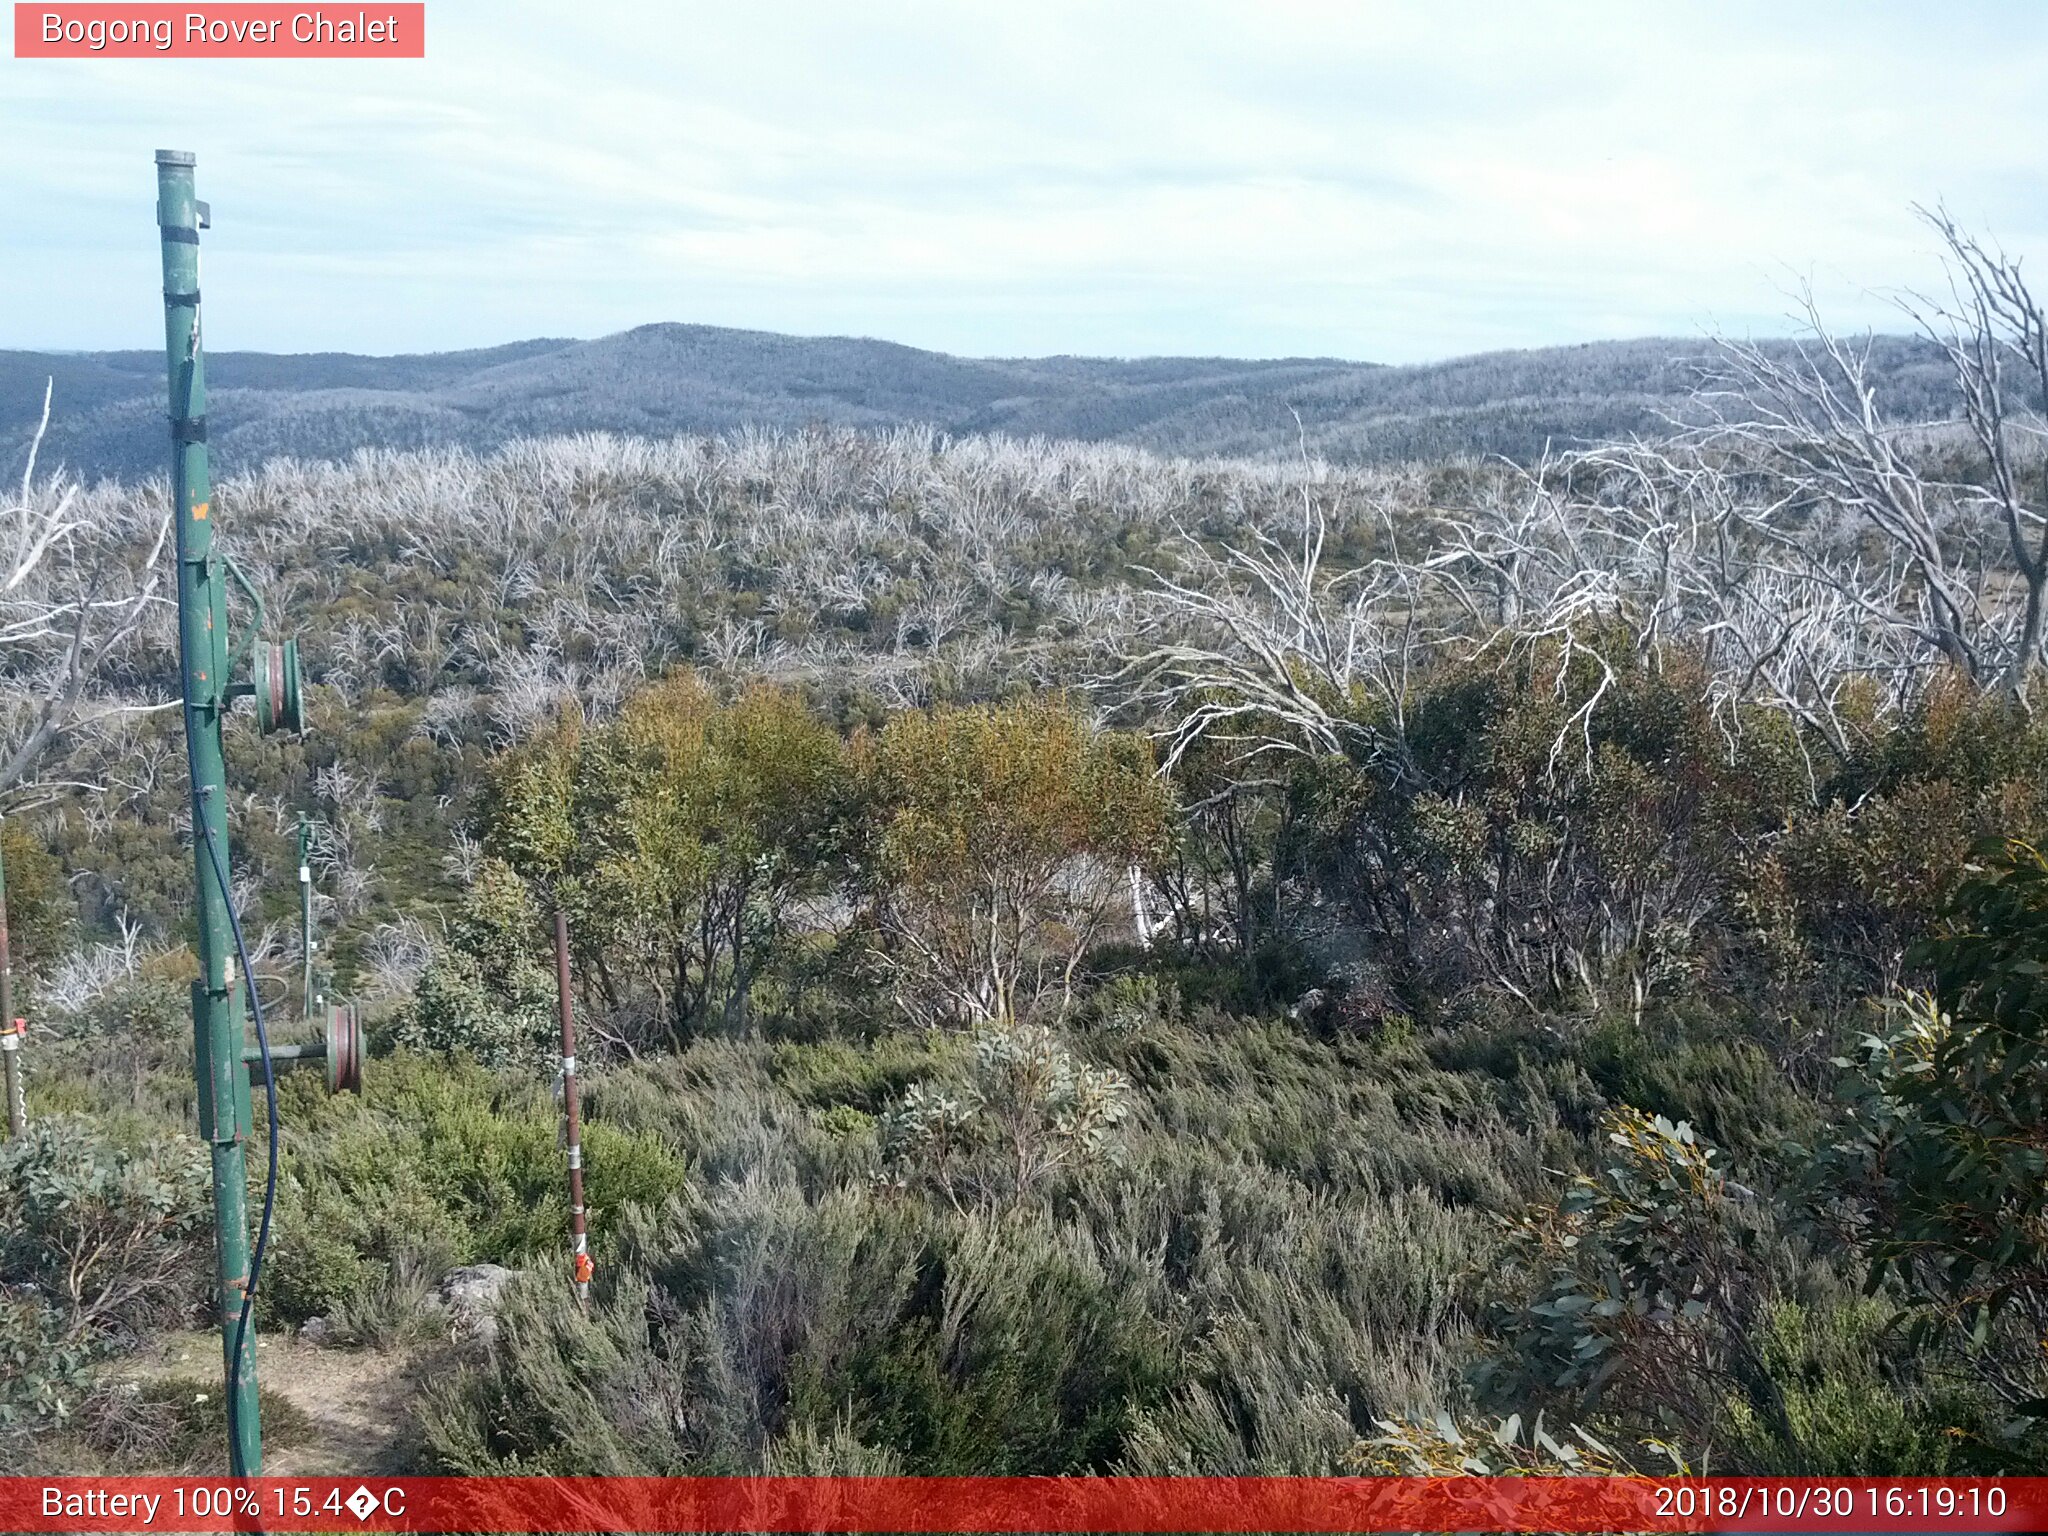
[[235, 1465]]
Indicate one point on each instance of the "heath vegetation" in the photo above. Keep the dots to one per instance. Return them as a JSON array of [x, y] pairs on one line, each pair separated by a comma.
[[1100, 962]]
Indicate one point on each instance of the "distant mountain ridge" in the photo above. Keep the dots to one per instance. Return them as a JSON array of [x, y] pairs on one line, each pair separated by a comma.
[[660, 380]]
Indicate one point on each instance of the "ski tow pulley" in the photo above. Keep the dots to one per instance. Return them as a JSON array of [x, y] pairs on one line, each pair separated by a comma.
[[274, 676], [344, 1049]]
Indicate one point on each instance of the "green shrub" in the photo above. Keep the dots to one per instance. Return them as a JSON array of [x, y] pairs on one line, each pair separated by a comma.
[[1937, 1169], [487, 996], [439, 1162], [996, 838], [865, 1075], [765, 1323], [1708, 1070], [124, 1056], [1637, 1293], [1132, 1003], [98, 1241], [680, 839], [109, 1235], [171, 1424], [1028, 1111], [312, 1267], [41, 912], [844, 1122], [1858, 1407], [44, 1364], [147, 1006]]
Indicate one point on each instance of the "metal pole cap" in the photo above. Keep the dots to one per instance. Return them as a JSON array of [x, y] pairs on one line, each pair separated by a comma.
[[176, 157]]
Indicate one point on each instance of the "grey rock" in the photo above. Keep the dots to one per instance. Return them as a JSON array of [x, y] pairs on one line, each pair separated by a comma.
[[471, 1295]]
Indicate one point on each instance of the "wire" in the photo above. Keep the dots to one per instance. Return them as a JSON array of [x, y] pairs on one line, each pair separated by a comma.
[[235, 1465]]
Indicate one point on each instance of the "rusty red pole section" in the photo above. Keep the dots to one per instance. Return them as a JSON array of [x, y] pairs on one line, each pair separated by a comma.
[[579, 1237], [11, 1028]]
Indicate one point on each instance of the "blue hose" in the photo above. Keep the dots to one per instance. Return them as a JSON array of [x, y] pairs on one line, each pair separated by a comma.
[[220, 873]]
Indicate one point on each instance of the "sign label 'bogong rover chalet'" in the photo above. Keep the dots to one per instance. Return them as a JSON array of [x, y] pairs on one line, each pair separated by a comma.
[[118, 31]]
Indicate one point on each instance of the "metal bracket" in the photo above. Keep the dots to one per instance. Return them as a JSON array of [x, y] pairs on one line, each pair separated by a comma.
[[248, 641]]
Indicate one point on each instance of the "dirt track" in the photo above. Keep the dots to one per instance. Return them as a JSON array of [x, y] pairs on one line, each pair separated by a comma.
[[355, 1399]]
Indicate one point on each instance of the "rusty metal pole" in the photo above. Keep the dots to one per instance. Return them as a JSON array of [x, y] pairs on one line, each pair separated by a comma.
[[306, 940], [11, 1028], [6, 954], [11, 1033], [580, 1266]]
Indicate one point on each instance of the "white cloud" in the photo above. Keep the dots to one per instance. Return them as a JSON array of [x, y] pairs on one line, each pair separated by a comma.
[[1369, 180]]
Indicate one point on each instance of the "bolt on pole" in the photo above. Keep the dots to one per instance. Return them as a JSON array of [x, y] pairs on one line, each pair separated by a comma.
[[225, 1121], [579, 1239]]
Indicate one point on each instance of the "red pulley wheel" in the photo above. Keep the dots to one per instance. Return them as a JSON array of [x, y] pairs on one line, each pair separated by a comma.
[[344, 1049]]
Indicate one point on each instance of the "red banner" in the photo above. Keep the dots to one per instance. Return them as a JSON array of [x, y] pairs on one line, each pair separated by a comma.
[[239, 31], [1024, 1504]]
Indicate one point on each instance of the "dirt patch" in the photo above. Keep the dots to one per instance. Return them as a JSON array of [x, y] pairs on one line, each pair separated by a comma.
[[354, 1399]]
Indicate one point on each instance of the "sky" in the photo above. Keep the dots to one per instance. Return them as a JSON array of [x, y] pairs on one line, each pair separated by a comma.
[[1387, 182]]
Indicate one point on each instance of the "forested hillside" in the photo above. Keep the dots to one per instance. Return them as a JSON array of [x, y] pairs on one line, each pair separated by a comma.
[[664, 379], [1087, 959]]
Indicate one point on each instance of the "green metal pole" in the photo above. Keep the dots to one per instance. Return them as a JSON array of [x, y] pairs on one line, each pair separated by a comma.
[[224, 1119]]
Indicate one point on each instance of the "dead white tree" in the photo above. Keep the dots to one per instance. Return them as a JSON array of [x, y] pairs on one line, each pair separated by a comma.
[[1264, 649], [1970, 549], [78, 574], [1996, 339], [1641, 543]]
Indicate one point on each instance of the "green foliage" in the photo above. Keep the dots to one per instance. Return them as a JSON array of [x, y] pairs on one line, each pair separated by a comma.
[[1637, 1292], [844, 1122], [961, 1344], [527, 803], [488, 993], [1941, 1157], [1547, 829], [1252, 1277], [1855, 1405], [437, 1163], [1217, 871], [865, 1076], [1597, 842], [1440, 1448], [122, 1056], [46, 1364], [1702, 1066], [1027, 1112], [168, 1424], [105, 1233], [97, 1241], [149, 1006], [680, 840], [314, 1266], [1132, 1003], [1000, 835], [40, 910]]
